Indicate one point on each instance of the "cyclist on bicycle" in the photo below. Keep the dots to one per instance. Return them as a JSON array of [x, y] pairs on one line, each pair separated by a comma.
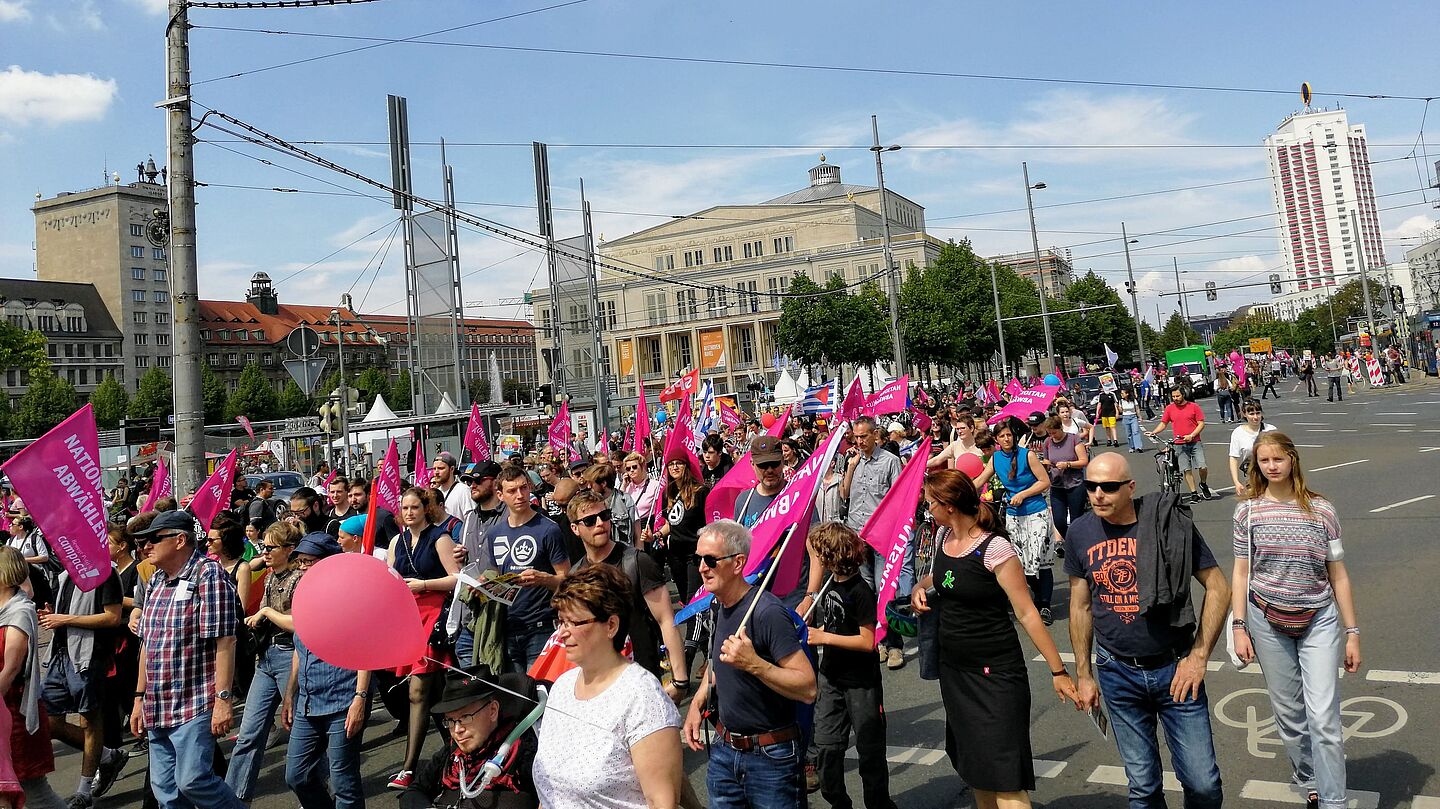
[[1187, 421], [1242, 443]]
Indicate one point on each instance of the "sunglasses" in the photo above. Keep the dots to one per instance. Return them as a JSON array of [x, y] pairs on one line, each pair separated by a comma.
[[710, 560], [767, 466], [631, 468], [1106, 486], [597, 517], [141, 542], [268, 548]]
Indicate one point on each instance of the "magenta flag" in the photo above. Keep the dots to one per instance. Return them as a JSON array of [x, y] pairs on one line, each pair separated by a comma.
[[920, 419], [729, 416], [160, 486], [214, 494], [854, 401], [58, 476], [720, 504], [891, 527], [249, 430], [642, 423], [794, 506], [330, 478], [560, 432], [1237, 366], [681, 442], [475, 438], [387, 481], [1060, 372], [421, 474], [1013, 388], [1026, 402], [894, 397]]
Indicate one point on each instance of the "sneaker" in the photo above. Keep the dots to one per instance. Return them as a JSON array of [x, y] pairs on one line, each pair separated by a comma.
[[108, 771], [812, 778], [896, 659], [78, 801], [1206, 493], [401, 780], [884, 654], [1312, 801], [1046, 616]]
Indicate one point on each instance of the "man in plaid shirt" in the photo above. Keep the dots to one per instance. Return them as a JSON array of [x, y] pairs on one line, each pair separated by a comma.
[[187, 659]]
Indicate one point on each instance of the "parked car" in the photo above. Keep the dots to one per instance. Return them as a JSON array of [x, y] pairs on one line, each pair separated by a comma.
[[285, 483]]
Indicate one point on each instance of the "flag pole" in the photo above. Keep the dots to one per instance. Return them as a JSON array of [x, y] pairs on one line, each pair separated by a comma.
[[830, 579]]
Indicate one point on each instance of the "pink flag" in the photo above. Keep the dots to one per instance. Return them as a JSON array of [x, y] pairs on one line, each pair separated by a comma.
[[603, 442], [994, 388], [1026, 402], [892, 398], [794, 506], [642, 423], [892, 525], [214, 494], [681, 442], [160, 485], [387, 481], [729, 416], [421, 475], [475, 439], [1012, 388], [250, 431], [854, 401], [325, 487], [560, 433], [920, 419], [1060, 372], [720, 504], [58, 476]]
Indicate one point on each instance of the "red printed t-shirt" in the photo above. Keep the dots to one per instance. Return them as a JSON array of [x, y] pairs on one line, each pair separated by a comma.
[[1183, 419]]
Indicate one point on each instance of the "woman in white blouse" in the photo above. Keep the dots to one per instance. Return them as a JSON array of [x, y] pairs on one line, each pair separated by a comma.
[[611, 736]]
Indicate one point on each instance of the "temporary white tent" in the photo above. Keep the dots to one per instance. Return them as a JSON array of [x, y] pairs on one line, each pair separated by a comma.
[[786, 391], [374, 441]]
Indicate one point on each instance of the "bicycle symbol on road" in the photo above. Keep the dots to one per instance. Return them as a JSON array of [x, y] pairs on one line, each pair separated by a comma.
[[1249, 709]]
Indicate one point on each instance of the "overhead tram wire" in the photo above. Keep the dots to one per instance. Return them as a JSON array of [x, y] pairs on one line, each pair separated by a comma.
[[419, 39]]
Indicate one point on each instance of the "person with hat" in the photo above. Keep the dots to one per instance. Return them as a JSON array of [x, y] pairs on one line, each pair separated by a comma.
[[488, 510], [480, 724], [767, 458], [187, 635], [324, 711], [351, 534], [894, 437], [443, 478]]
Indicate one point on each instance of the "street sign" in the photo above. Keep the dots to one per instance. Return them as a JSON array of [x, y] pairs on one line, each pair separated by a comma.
[[301, 427], [303, 342], [306, 372]]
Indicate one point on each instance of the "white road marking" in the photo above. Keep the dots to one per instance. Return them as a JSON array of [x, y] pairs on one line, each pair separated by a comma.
[[930, 756], [1321, 430], [1428, 449], [1289, 793], [1338, 465], [1397, 414], [1311, 446], [1312, 423], [1115, 776], [1401, 503], [1425, 802], [1390, 424], [1407, 677]]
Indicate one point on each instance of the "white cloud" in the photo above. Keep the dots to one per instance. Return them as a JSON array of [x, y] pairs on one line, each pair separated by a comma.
[[153, 6], [1414, 226], [53, 98], [14, 11]]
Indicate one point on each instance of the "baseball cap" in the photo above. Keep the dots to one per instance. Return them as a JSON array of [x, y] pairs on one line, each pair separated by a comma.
[[765, 449], [1036, 419], [480, 470], [447, 458], [895, 427], [319, 544], [170, 521]]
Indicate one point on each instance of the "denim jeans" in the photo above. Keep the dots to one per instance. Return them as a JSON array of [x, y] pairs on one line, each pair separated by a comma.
[[1335, 390], [523, 644], [182, 774], [1302, 677], [464, 647], [1131, 423], [272, 673], [1067, 504], [313, 740], [1226, 400], [768, 777], [873, 572], [1135, 699]]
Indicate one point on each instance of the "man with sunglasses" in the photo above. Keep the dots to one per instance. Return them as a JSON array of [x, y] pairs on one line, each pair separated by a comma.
[[187, 660], [1130, 563], [653, 620], [760, 677], [765, 456]]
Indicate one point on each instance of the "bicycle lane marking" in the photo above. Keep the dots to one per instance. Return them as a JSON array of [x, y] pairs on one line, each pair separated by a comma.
[[1338, 465]]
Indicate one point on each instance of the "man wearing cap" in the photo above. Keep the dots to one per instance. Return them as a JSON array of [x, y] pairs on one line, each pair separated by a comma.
[[324, 710], [894, 437], [442, 478], [769, 480], [473, 711], [187, 660], [487, 511], [869, 474]]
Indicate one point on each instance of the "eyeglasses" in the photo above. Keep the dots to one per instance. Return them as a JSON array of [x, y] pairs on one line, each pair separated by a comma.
[[1106, 486], [150, 540], [710, 560], [767, 466], [561, 623], [597, 517], [452, 723]]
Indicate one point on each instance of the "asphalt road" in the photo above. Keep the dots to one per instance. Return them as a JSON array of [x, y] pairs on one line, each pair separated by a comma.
[[1376, 455]]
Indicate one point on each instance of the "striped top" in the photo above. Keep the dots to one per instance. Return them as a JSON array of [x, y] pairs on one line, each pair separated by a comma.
[[1291, 548]]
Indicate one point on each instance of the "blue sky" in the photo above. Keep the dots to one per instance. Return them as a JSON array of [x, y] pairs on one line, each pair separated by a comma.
[[79, 78]]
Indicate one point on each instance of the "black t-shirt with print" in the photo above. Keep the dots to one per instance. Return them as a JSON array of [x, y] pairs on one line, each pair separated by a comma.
[[844, 608]]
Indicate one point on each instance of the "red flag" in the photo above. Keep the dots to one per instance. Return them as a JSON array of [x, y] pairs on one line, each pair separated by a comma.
[[250, 431], [890, 528], [58, 477], [421, 475], [682, 387], [214, 493], [560, 433], [1060, 372], [367, 540], [892, 398], [475, 438], [854, 401], [642, 423], [161, 486], [720, 503], [794, 506]]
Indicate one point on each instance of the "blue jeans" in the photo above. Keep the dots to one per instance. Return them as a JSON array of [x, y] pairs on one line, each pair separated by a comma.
[[1131, 423], [1226, 400], [769, 777], [272, 672], [1135, 699], [1302, 677], [312, 739], [181, 771], [464, 647], [523, 644]]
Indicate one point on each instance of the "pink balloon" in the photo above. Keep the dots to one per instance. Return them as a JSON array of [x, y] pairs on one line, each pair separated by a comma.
[[768, 420], [971, 465], [354, 612]]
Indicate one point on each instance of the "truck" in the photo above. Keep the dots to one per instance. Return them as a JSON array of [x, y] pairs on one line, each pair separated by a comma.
[[1194, 363]]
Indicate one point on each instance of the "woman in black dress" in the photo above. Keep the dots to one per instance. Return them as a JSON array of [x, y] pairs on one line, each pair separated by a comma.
[[974, 581]]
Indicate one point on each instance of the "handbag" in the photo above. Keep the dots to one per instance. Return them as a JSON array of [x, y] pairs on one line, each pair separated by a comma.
[[1289, 621]]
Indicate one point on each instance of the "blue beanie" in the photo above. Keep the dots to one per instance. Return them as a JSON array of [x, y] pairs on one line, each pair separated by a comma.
[[354, 526]]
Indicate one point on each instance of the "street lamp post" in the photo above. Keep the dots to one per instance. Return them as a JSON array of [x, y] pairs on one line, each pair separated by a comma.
[[893, 280], [1134, 296], [1039, 270], [999, 326], [344, 404]]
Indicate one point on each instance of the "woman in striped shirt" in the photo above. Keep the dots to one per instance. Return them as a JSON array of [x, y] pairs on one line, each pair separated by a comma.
[[1292, 606]]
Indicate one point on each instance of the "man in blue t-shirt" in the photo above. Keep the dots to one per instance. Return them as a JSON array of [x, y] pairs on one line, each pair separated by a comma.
[[760, 676], [527, 542], [1150, 659]]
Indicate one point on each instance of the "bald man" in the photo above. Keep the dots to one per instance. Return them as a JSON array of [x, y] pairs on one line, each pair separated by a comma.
[[1130, 562]]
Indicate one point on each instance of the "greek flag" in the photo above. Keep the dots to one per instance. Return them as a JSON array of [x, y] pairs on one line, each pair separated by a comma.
[[820, 399]]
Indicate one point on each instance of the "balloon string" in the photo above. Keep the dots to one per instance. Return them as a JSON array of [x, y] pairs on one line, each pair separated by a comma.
[[548, 707]]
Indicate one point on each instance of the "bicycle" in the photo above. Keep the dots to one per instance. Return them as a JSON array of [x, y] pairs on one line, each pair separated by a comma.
[[1167, 464]]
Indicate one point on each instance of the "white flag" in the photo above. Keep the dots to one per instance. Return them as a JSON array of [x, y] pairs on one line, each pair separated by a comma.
[[1110, 356]]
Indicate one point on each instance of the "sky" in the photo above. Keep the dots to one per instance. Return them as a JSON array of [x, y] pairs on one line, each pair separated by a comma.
[[79, 80]]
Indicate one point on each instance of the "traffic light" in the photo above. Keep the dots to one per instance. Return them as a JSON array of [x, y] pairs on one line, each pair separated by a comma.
[[1210, 291], [352, 401], [1274, 284], [329, 417], [1130, 287], [544, 396], [1397, 297]]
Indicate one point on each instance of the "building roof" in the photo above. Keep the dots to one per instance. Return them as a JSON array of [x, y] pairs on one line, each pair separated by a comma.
[[820, 193], [240, 315], [97, 317]]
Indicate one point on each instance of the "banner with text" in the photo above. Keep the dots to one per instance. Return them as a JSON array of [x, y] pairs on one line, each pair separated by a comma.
[[890, 529]]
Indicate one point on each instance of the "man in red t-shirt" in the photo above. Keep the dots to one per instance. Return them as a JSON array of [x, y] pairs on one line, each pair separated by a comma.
[[1186, 419]]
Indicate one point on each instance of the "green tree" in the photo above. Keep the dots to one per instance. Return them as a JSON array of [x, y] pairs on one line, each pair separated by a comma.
[[1177, 334], [1242, 329], [48, 401], [110, 403], [154, 397], [947, 310], [253, 397], [867, 327], [23, 349], [512, 391], [803, 322], [374, 382], [1084, 334], [1152, 339], [399, 398], [293, 401], [213, 393], [479, 389]]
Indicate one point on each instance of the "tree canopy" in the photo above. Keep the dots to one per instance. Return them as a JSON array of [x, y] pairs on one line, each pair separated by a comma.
[[154, 396], [110, 402], [253, 397], [21, 348], [1084, 334], [48, 401]]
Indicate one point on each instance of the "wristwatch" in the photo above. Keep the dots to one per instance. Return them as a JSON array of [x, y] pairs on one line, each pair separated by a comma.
[[225, 695]]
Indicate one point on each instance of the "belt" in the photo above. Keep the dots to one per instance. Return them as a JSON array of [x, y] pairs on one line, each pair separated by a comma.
[[1147, 662], [745, 744], [541, 624]]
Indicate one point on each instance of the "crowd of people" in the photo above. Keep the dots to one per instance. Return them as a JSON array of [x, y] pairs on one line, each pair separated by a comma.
[[602, 551]]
